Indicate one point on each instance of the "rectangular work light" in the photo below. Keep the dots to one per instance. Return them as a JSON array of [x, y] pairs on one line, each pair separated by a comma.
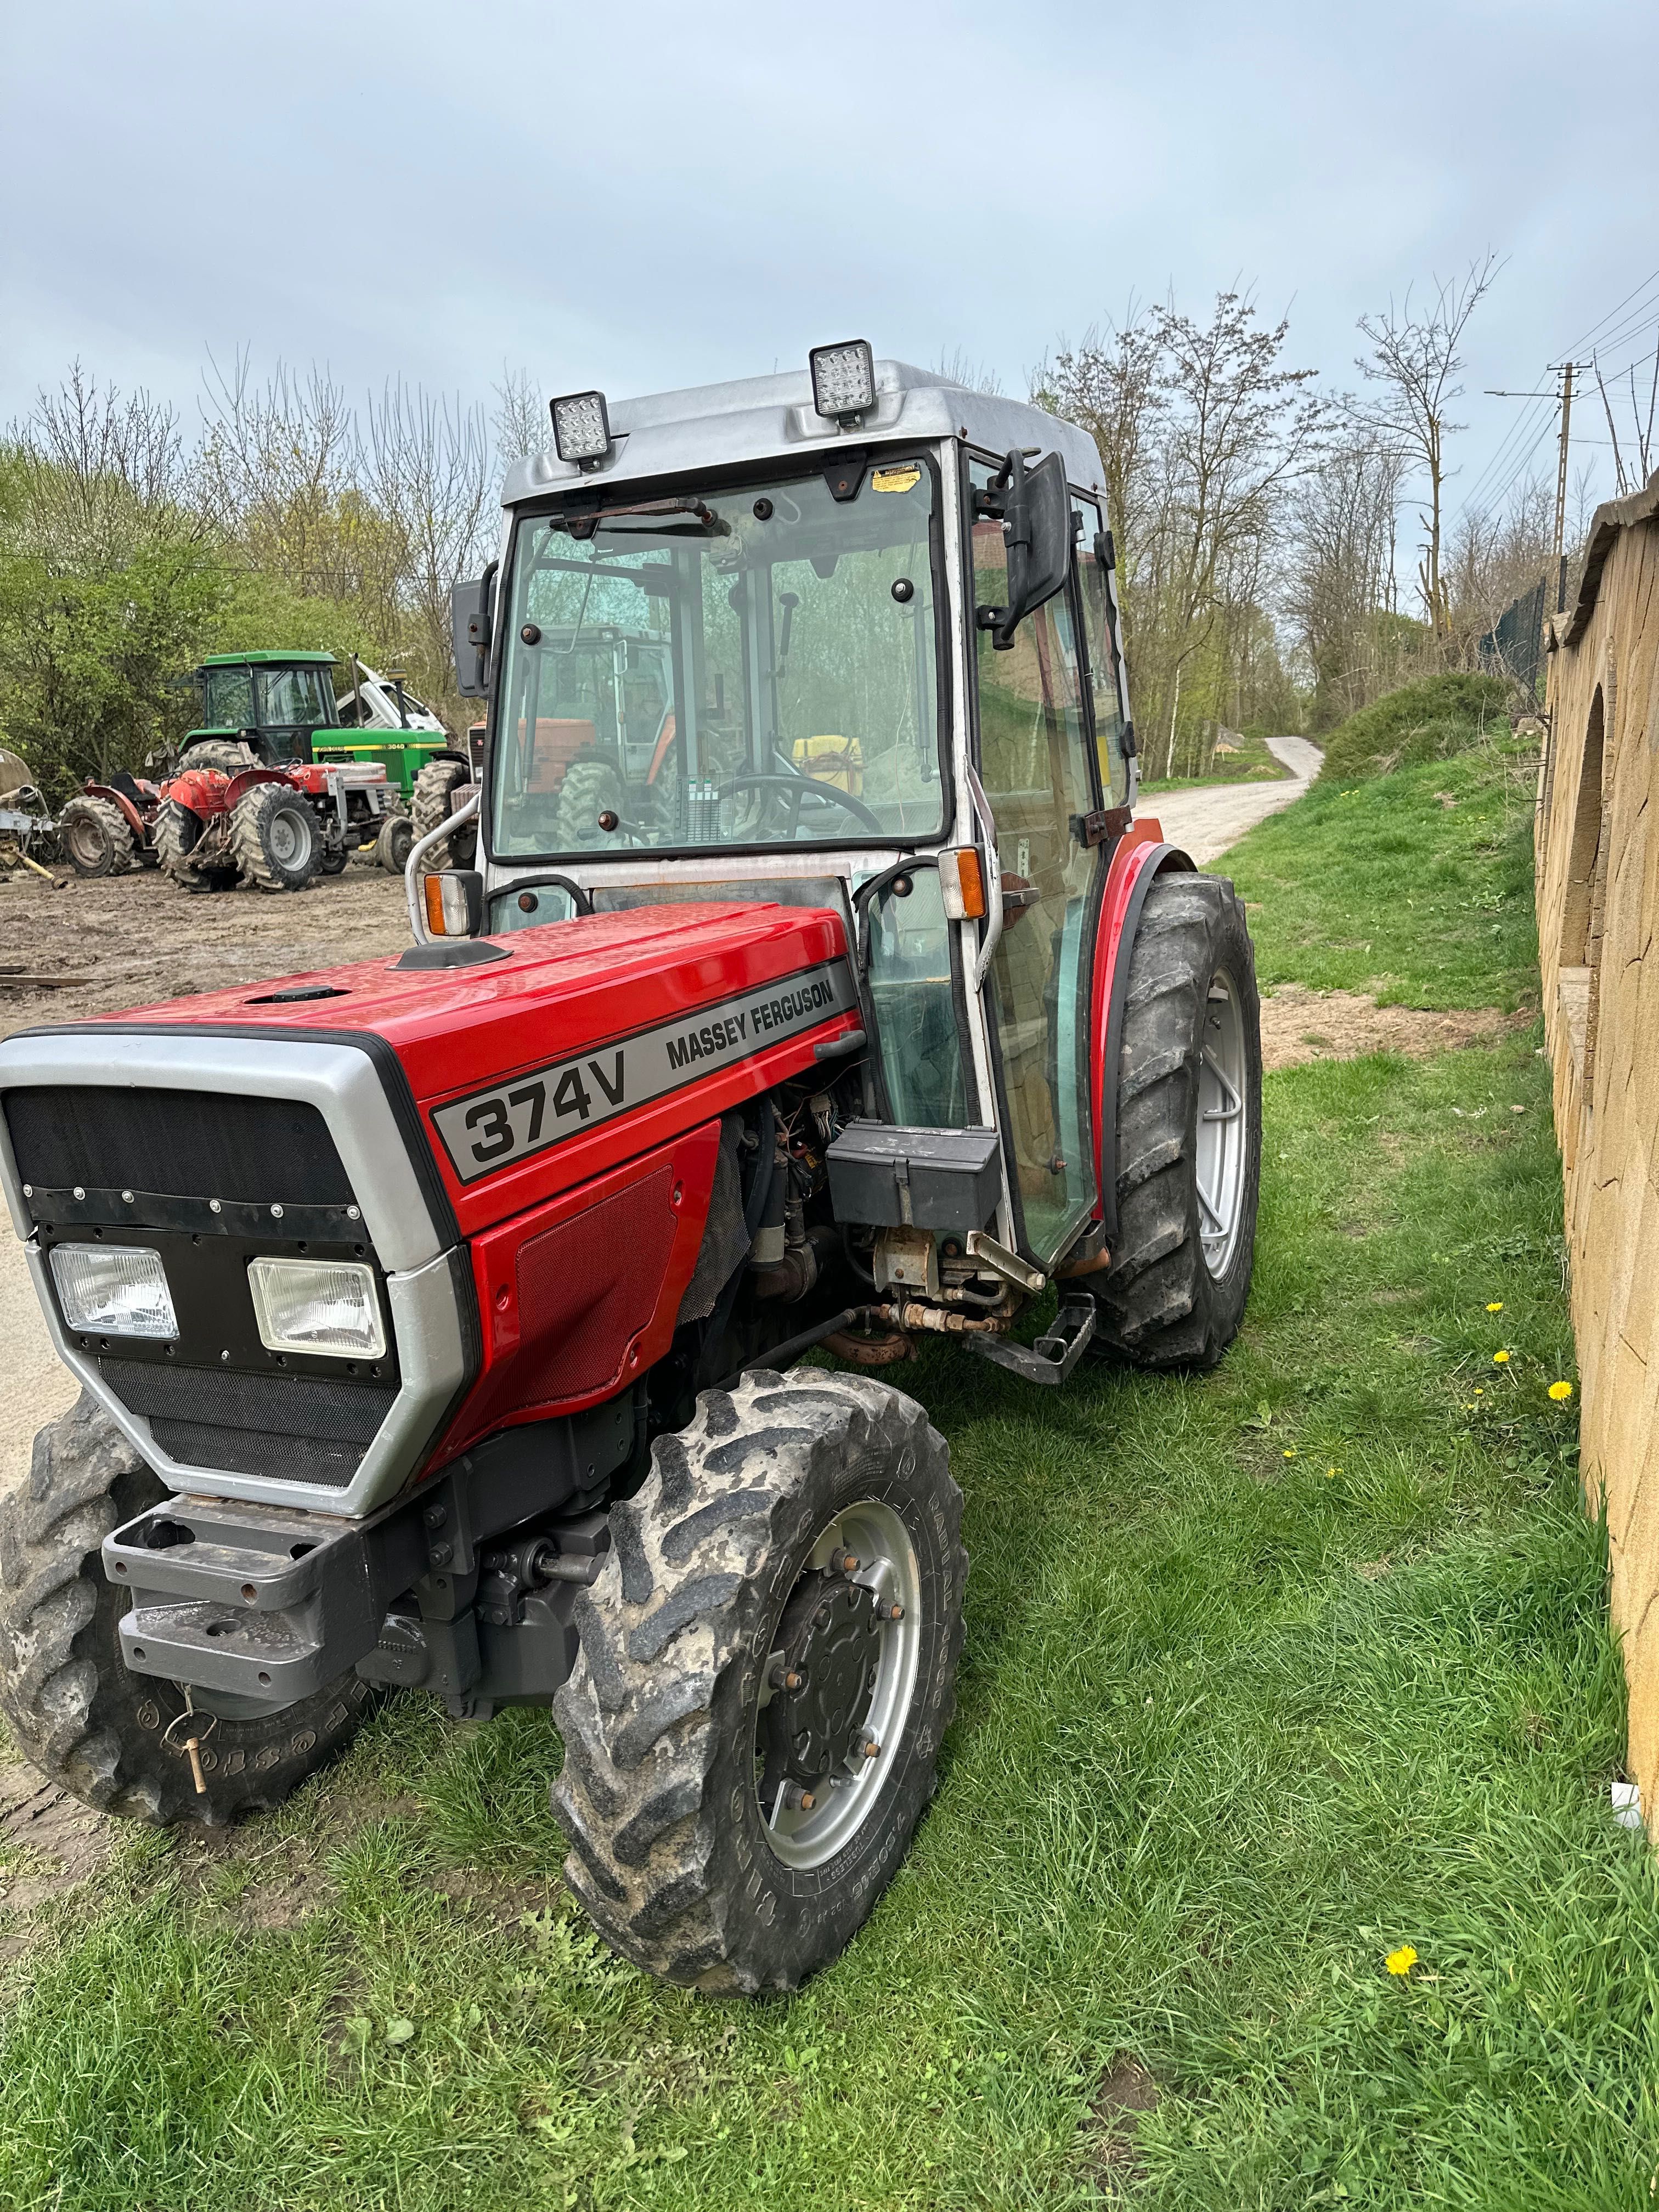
[[581, 427], [843, 378], [114, 1290], [327, 1306]]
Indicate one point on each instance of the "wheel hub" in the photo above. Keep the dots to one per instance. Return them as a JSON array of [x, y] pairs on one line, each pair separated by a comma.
[[817, 1719]]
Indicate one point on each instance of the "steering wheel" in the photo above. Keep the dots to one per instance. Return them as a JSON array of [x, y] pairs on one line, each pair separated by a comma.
[[802, 788]]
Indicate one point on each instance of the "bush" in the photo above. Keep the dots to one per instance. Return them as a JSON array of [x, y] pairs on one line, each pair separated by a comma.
[[1425, 721]]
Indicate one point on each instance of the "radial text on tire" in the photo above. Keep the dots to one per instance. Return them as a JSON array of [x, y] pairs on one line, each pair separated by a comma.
[[96, 836], [767, 1667], [273, 835], [116, 1739], [1189, 1132]]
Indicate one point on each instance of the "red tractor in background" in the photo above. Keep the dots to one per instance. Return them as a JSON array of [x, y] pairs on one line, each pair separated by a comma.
[[276, 827], [108, 828], [459, 1352]]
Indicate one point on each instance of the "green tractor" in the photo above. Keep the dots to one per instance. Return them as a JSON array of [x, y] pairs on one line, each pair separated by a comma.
[[281, 706]]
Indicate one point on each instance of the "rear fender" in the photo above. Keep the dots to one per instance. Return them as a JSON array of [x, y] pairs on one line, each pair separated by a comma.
[[135, 820], [1141, 858], [200, 789], [240, 785]]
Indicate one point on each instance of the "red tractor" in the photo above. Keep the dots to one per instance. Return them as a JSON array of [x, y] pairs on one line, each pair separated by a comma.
[[276, 827], [459, 1351], [108, 829]]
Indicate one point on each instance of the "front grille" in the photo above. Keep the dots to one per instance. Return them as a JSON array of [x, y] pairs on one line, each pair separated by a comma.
[[192, 1144], [287, 1428]]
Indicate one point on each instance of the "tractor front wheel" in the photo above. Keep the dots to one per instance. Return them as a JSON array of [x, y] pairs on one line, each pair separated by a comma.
[[273, 833], [392, 845], [115, 1739], [179, 831], [767, 1667], [97, 837], [1189, 1132]]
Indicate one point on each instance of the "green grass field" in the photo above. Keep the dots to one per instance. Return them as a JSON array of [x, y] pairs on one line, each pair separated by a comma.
[[1267, 1673]]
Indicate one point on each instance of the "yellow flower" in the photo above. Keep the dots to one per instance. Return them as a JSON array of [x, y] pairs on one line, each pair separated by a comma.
[[1332, 1471], [1560, 1390], [1500, 1360], [1497, 1306], [1402, 1960], [1290, 1451], [1478, 1392]]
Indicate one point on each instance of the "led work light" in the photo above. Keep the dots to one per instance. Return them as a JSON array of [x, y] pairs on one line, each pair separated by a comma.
[[581, 427], [114, 1290], [843, 378], [327, 1306]]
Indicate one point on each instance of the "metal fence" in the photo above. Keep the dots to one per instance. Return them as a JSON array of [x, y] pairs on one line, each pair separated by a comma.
[[1514, 645]]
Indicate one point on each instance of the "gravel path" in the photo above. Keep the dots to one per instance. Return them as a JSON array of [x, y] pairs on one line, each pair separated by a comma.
[[1205, 821]]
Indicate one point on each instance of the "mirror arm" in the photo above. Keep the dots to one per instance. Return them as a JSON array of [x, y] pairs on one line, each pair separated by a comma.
[[993, 879]]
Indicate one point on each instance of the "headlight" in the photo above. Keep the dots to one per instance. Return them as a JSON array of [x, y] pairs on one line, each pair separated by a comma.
[[317, 1305], [114, 1290], [843, 378], [581, 426]]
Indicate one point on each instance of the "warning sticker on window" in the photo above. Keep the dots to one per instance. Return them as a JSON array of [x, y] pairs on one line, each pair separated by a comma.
[[494, 1128], [905, 478]]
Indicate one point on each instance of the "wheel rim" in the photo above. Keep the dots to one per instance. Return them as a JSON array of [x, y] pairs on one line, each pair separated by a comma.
[[887, 1575], [1222, 1124], [289, 837], [87, 842]]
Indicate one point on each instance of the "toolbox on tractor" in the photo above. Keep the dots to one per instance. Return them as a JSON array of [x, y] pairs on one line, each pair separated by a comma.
[[831, 995]]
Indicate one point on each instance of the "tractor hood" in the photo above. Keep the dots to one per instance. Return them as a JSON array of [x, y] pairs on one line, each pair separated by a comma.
[[585, 1042]]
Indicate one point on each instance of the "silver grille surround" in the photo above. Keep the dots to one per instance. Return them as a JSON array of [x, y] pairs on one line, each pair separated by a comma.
[[425, 1270]]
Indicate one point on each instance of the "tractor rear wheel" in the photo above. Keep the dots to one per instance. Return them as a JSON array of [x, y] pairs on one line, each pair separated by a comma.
[[392, 847], [106, 1735], [273, 835], [1189, 1132], [225, 754], [178, 832], [97, 837], [767, 1667], [429, 809]]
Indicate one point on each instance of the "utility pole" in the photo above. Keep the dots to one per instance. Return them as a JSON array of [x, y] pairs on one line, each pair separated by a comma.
[[1561, 489]]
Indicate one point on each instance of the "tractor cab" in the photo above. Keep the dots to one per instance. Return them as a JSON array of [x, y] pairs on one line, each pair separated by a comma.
[[273, 703], [847, 640]]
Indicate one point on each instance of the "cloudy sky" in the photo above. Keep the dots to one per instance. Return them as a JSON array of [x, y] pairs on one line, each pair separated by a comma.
[[651, 194]]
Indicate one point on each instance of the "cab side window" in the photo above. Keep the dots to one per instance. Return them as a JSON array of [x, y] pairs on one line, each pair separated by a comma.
[[1100, 636]]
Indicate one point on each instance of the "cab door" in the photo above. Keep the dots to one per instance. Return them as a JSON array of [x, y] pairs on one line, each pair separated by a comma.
[[1036, 764]]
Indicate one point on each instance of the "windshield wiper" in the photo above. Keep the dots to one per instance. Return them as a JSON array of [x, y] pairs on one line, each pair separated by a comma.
[[583, 526]]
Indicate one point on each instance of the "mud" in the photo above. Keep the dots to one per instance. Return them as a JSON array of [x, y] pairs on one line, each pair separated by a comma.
[[1299, 1025], [104, 945]]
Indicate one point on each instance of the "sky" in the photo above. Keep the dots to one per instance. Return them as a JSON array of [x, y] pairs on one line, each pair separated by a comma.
[[644, 197]]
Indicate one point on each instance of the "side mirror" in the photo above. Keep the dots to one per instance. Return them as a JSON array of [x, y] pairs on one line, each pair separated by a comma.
[[471, 626], [1037, 526]]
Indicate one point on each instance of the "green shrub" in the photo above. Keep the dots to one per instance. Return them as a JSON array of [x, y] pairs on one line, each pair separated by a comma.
[[1425, 721]]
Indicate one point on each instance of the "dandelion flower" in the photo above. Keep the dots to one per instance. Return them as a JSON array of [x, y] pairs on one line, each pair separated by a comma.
[[1290, 1451], [1402, 1960], [1478, 1392], [1331, 1473], [1500, 1360], [1497, 1306], [1559, 1391]]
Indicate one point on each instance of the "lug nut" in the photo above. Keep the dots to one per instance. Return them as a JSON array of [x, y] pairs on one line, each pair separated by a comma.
[[894, 1612], [798, 1800], [787, 1678], [442, 1555], [870, 1748], [846, 1563]]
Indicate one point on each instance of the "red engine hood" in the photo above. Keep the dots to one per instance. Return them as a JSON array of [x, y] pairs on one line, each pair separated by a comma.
[[563, 988]]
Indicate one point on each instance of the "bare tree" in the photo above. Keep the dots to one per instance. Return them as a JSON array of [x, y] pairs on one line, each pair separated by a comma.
[[1638, 442], [99, 474], [1338, 586], [958, 367], [1415, 360], [520, 423], [426, 468]]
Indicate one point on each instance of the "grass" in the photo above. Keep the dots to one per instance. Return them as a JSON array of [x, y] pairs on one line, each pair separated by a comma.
[[1414, 886], [1267, 1671], [1428, 720], [1251, 764]]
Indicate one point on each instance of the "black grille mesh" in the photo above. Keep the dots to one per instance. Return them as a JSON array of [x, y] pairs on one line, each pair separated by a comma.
[[192, 1144], [288, 1428]]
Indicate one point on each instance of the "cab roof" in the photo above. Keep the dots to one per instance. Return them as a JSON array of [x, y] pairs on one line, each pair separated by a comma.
[[762, 419], [265, 658]]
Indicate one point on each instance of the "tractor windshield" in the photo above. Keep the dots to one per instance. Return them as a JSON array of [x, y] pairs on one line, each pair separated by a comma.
[[303, 697], [748, 667]]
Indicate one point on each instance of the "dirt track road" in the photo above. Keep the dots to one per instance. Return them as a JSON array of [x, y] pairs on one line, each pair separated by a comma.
[[1205, 821], [134, 941]]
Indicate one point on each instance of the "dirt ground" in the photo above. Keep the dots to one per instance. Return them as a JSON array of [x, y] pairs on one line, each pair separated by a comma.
[[1299, 1025], [1207, 819], [131, 940]]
